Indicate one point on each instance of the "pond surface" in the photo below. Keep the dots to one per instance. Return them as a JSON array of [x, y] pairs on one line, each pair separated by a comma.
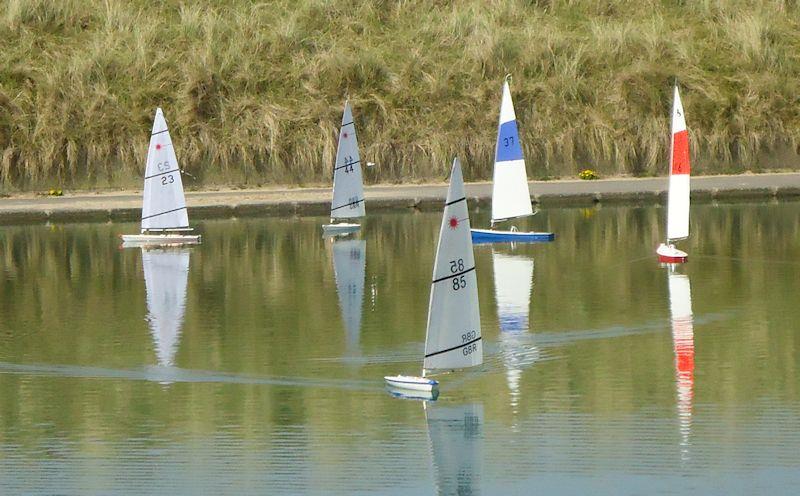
[[253, 363]]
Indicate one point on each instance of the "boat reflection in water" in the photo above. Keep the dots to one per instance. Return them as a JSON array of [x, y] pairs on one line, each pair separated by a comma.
[[349, 266], [513, 282], [680, 302], [166, 273], [456, 436]]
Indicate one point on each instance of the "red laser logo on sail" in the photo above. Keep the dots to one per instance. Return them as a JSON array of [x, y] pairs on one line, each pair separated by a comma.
[[158, 146], [453, 223]]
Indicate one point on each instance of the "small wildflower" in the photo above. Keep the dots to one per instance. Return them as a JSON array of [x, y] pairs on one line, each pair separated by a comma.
[[588, 174]]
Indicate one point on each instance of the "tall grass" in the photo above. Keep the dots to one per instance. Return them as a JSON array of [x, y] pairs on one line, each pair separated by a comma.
[[253, 91]]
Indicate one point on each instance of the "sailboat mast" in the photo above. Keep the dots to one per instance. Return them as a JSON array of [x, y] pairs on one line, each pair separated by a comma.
[[671, 157]]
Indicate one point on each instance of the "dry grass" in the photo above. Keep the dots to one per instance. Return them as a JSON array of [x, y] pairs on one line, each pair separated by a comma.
[[253, 92]]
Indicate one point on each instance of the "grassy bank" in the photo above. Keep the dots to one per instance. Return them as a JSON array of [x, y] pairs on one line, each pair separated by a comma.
[[253, 91]]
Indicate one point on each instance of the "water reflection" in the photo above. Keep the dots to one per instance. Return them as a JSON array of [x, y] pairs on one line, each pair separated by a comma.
[[456, 436], [349, 264], [680, 303], [513, 281], [166, 272]]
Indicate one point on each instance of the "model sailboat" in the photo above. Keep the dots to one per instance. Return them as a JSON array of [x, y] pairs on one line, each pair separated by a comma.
[[349, 267], [678, 195], [511, 198], [456, 437], [453, 338], [166, 273], [680, 305], [348, 186], [164, 216], [513, 283]]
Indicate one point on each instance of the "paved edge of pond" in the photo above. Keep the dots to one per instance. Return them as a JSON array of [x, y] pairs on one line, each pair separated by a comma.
[[126, 206]]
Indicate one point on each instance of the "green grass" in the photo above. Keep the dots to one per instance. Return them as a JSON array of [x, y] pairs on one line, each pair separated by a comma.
[[253, 92]]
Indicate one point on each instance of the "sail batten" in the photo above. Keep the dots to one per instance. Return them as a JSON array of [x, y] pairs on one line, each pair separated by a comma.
[[679, 175], [510, 194], [453, 337], [348, 186], [164, 204]]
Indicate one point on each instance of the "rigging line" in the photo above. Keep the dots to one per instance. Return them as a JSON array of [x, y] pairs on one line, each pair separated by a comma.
[[347, 204], [455, 201], [454, 347], [162, 173], [453, 275], [162, 213]]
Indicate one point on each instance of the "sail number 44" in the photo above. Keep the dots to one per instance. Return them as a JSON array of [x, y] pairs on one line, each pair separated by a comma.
[[348, 164]]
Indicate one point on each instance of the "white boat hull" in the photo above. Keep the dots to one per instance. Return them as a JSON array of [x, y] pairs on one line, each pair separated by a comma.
[[413, 394], [133, 240], [411, 382], [339, 229]]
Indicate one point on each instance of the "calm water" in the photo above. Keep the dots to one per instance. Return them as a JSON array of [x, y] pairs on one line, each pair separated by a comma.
[[241, 366]]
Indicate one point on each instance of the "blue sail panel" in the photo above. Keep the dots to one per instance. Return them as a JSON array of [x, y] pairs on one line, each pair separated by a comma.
[[508, 147]]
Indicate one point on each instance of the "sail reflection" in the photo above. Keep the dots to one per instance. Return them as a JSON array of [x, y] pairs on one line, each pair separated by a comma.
[[349, 266], [680, 302], [456, 436], [166, 273], [513, 282]]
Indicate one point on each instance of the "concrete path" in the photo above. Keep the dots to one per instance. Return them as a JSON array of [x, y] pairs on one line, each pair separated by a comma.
[[315, 201]]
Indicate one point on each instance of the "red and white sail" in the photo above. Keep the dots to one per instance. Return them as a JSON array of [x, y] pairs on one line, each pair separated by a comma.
[[678, 196], [680, 303]]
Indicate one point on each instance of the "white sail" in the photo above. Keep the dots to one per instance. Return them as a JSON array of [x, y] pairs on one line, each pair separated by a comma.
[[679, 173], [349, 263], [510, 195], [680, 303], [348, 187], [163, 206], [456, 435], [453, 337], [513, 281], [166, 273]]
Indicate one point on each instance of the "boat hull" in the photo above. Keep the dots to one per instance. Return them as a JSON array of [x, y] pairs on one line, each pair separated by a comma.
[[135, 240], [411, 394], [340, 229], [669, 254], [480, 236], [411, 383]]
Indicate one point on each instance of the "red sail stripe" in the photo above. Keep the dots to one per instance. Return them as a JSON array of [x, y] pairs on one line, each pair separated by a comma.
[[680, 152]]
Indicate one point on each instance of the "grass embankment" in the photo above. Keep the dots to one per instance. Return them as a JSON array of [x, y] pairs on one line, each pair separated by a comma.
[[253, 92]]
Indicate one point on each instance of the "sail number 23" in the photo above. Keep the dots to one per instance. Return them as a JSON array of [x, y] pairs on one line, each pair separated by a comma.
[[167, 178]]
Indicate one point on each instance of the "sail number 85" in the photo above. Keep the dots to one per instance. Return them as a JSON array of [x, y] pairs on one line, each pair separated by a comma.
[[456, 266]]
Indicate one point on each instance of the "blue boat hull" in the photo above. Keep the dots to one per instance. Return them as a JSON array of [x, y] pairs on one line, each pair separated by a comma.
[[491, 236]]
